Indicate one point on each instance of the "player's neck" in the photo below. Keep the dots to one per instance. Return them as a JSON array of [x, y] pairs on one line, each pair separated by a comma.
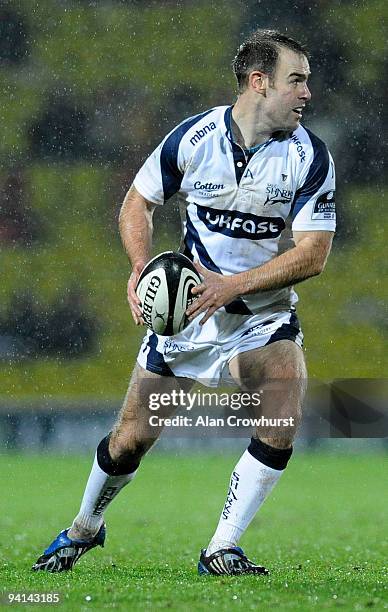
[[249, 125]]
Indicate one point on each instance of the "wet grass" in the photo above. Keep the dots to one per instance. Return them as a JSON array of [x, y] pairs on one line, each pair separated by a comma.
[[321, 534]]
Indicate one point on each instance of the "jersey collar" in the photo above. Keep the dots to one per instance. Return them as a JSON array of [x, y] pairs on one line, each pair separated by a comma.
[[229, 135]]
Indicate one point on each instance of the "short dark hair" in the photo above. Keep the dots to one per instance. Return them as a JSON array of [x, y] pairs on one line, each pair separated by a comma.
[[260, 51]]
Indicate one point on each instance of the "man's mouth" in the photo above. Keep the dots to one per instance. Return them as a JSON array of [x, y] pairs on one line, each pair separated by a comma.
[[298, 110]]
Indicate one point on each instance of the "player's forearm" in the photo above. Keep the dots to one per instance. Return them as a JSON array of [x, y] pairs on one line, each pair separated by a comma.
[[305, 260], [135, 224]]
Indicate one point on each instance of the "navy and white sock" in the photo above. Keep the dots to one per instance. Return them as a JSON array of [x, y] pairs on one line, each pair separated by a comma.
[[106, 480], [252, 480]]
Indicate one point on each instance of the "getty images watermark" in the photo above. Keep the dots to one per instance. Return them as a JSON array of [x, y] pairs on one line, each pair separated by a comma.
[[227, 402], [341, 408]]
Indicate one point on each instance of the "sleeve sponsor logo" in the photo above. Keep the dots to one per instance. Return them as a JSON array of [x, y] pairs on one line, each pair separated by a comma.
[[236, 224], [324, 207]]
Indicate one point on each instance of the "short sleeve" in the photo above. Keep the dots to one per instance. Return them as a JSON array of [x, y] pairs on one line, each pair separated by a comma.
[[162, 173], [148, 181], [314, 203]]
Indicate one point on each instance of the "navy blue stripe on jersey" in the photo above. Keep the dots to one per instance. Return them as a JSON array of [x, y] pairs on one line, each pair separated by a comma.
[[187, 252], [239, 158], [171, 175], [287, 331], [316, 176], [192, 238], [228, 122], [155, 359]]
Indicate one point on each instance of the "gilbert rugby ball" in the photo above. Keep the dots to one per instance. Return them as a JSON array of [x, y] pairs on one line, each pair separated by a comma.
[[164, 289]]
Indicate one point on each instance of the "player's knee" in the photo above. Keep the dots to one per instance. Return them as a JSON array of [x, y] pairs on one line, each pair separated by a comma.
[[122, 447], [271, 452], [117, 455], [282, 442], [284, 361]]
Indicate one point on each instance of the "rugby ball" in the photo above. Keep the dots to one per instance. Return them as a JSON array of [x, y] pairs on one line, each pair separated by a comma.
[[164, 289]]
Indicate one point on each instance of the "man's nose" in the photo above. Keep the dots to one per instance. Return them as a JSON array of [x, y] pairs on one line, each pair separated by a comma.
[[305, 93]]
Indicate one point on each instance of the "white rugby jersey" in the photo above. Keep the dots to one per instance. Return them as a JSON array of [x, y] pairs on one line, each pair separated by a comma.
[[237, 205]]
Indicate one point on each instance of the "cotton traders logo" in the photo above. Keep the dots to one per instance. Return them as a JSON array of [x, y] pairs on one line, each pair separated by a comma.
[[202, 132], [237, 224], [208, 186]]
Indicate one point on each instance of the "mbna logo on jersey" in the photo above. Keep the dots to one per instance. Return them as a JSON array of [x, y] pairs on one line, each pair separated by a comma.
[[164, 289], [199, 134], [324, 207]]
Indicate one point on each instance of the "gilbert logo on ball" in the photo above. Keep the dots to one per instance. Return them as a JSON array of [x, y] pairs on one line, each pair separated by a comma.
[[164, 289]]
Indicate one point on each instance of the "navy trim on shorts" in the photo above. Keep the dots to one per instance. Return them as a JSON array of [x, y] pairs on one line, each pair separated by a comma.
[[287, 331], [155, 359]]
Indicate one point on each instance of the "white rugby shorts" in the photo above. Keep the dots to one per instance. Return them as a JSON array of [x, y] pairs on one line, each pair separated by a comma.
[[203, 352]]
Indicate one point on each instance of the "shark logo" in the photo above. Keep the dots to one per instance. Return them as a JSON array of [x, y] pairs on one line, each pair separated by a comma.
[[271, 201], [278, 194]]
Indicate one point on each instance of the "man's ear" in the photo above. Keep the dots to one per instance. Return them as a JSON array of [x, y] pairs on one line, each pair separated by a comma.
[[258, 81]]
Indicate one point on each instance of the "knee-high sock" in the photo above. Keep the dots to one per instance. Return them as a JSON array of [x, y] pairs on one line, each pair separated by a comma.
[[105, 481], [251, 482], [101, 488]]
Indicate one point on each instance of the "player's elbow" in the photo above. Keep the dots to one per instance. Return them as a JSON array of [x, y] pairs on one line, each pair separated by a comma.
[[315, 247], [319, 262], [317, 268], [319, 249]]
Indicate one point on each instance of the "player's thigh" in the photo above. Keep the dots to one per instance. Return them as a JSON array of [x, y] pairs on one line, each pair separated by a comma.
[[278, 370], [279, 360], [143, 400]]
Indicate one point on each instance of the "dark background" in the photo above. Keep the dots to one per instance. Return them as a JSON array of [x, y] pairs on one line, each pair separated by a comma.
[[88, 90]]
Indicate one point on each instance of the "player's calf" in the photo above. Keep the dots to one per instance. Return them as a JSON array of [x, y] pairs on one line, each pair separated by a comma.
[[107, 478], [252, 480]]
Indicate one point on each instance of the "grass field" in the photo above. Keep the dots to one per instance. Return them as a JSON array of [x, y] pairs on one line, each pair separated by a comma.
[[321, 534]]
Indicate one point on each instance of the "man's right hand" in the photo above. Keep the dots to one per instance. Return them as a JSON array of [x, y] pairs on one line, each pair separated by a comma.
[[133, 300]]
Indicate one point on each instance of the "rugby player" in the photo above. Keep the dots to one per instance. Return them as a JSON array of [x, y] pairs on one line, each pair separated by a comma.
[[243, 172]]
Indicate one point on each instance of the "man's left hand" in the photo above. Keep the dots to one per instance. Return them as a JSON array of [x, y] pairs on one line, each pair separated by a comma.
[[214, 292]]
